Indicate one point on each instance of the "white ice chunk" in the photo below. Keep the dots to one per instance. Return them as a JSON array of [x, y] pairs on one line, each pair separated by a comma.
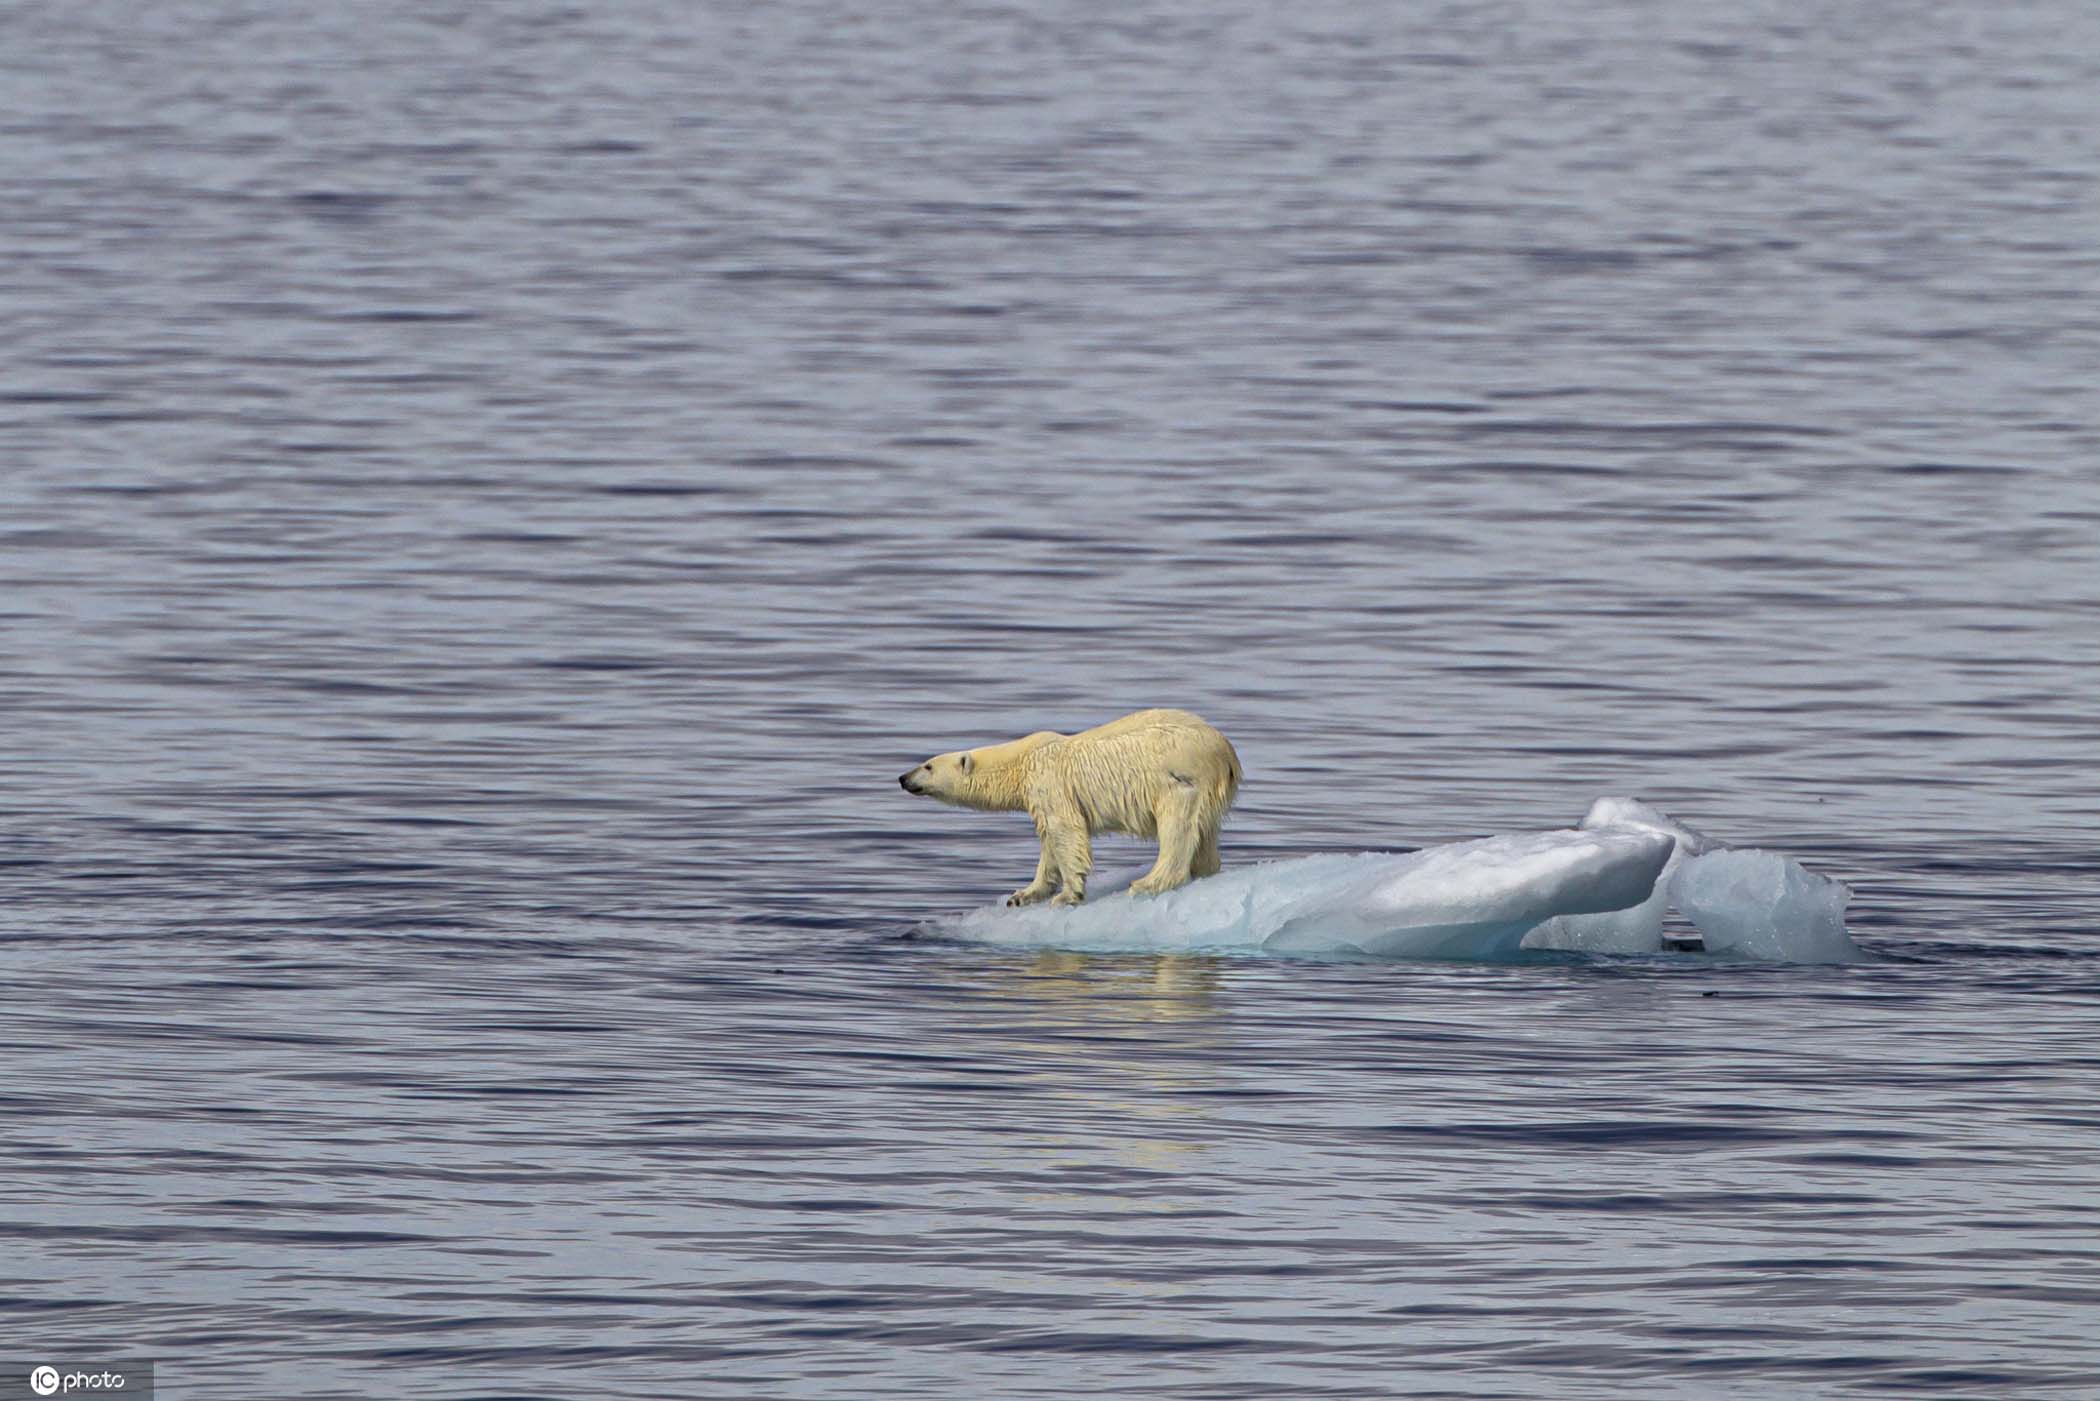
[[1632, 812], [1761, 905], [1471, 900], [1638, 929]]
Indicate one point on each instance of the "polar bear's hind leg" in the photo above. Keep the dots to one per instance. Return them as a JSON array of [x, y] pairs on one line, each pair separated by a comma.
[[1178, 817], [1206, 862]]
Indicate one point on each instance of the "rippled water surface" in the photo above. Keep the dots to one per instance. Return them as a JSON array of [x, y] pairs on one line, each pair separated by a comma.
[[492, 495]]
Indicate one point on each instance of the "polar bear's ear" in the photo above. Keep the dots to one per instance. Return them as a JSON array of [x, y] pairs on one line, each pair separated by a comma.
[[968, 763]]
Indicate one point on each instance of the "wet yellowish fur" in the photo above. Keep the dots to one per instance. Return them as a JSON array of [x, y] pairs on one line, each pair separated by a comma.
[[1160, 775]]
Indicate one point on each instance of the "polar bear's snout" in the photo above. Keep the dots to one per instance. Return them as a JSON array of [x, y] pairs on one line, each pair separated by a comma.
[[904, 780]]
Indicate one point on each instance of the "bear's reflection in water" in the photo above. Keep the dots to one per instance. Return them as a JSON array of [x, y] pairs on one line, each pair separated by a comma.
[[1168, 987], [1123, 1048]]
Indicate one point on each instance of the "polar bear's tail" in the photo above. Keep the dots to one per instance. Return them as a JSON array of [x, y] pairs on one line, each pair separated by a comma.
[[1230, 789]]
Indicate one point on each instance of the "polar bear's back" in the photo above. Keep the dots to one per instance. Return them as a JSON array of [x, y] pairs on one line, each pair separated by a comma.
[[1162, 734], [1118, 772]]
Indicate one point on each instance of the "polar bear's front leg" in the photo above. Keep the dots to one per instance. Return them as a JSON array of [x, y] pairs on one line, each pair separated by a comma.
[[1068, 853], [1041, 887]]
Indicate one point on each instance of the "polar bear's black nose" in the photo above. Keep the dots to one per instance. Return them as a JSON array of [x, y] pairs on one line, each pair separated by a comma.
[[904, 780]]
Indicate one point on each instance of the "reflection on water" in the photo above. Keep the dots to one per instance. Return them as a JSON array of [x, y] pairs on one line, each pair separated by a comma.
[[1093, 1010], [1163, 988]]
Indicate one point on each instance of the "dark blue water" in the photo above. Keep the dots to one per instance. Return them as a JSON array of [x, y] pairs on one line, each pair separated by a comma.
[[491, 496]]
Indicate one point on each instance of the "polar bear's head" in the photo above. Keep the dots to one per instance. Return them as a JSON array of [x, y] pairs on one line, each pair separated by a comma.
[[991, 778], [952, 778]]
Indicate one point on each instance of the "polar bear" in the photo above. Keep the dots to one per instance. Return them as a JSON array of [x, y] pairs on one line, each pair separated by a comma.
[[1161, 774]]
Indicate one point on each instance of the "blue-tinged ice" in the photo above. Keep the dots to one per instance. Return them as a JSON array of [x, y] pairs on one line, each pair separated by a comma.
[[1761, 905], [1602, 888], [1638, 928], [1469, 900]]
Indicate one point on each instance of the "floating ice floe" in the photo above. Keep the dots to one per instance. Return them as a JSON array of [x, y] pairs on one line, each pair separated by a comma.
[[1759, 904], [1637, 928], [1604, 887]]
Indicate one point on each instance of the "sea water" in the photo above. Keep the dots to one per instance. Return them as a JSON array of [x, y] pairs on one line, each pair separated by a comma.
[[491, 495]]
